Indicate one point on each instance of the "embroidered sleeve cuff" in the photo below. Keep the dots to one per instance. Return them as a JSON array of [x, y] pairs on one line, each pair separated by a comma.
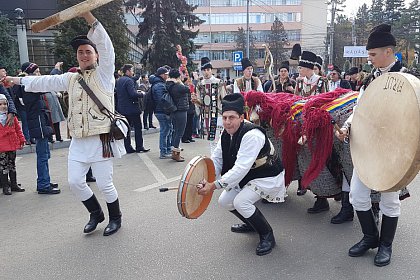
[[218, 184]]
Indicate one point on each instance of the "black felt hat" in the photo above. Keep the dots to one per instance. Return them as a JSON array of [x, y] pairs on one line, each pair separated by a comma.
[[205, 63], [319, 62], [307, 60], [380, 36], [245, 63], [82, 40], [284, 64], [233, 102], [296, 52], [353, 70]]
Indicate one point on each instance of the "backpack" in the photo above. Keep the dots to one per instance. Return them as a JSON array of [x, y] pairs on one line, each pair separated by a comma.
[[149, 103], [168, 104]]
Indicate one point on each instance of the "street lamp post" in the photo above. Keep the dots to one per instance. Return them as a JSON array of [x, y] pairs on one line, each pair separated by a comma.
[[21, 35]]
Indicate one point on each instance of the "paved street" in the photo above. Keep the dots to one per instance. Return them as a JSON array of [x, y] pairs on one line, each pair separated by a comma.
[[41, 236]]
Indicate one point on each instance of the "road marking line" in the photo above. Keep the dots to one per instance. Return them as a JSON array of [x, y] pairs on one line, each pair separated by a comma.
[[159, 176], [158, 184]]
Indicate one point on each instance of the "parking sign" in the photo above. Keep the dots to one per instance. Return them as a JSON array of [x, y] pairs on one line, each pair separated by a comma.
[[237, 56]]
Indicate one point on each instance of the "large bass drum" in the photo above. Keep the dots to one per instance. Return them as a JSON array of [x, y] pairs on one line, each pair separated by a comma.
[[385, 132], [191, 205]]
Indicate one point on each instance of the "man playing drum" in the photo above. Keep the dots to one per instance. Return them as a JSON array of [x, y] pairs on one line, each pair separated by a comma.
[[381, 48], [248, 169]]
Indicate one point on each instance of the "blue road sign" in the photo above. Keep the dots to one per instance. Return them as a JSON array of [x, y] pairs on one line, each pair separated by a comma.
[[237, 56], [237, 67], [398, 56]]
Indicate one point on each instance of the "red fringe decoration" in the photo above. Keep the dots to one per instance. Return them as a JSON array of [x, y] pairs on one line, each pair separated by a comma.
[[318, 129]]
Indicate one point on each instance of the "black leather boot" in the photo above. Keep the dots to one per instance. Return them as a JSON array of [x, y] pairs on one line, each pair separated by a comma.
[[14, 186], [370, 238], [320, 205], [300, 191], [89, 176], [346, 213], [114, 218], [260, 224], [96, 214], [388, 228], [4, 182], [245, 227]]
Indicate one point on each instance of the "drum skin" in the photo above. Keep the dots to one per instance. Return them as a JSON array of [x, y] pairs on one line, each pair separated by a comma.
[[191, 205], [385, 132]]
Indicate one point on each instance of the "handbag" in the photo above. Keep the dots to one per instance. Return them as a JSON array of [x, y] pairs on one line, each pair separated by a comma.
[[118, 121]]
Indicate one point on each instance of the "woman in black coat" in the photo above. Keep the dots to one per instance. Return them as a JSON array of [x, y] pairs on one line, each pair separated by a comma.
[[179, 93]]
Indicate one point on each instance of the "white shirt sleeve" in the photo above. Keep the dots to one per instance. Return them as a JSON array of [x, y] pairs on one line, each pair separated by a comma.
[[236, 88], [252, 143], [47, 83], [106, 67], [260, 88], [217, 158]]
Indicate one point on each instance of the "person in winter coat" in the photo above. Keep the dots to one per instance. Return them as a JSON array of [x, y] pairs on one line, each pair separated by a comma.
[[179, 93], [128, 105], [11, 139], [165, 123]]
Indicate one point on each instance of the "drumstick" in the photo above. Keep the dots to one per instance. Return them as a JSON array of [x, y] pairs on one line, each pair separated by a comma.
[[336, 126], [168, 189]]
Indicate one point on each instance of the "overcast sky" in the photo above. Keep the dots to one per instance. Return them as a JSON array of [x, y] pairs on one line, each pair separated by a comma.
[[353, 5]]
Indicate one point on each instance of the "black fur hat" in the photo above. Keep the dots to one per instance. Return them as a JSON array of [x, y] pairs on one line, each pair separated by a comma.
[[245, 63], [296, 52], [233, 102], [380, 37], [284, 64]]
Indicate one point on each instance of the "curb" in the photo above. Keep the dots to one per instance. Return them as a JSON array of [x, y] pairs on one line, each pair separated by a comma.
[[27, 149]]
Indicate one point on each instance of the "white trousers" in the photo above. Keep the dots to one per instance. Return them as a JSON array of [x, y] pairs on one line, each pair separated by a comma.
[[345, 187], [102, 170], [239, 200], [390, 204]]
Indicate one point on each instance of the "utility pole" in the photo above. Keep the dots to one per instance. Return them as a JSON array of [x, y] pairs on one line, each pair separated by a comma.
[[331, 54], [247, 28], [21, 35]]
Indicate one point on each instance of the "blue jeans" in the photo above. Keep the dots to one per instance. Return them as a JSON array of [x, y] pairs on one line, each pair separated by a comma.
[[42, 169], [165, 141], [179, 120]]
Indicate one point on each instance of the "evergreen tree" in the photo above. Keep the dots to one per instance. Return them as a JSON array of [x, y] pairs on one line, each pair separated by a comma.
[[393, 11], [342, 38], [241, 44], [362, 25], [8, 46], [165, 25], [377, 12], [406, 29], [276, 41], [111, 17]]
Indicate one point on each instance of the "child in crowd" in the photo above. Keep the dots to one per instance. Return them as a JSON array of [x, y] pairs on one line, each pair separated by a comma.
[[11, 139]]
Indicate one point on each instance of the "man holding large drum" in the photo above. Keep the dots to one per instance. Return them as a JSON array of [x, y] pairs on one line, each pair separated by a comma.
[[381, 48], [248, 169]]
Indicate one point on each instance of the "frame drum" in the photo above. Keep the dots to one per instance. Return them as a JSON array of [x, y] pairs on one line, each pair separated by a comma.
[[191, 205], [385, 132]]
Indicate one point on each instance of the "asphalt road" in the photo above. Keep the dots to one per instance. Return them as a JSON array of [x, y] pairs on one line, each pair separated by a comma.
[[41, 236]]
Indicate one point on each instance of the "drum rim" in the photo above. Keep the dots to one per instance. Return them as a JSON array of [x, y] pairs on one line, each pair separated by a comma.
[[182, 189]]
